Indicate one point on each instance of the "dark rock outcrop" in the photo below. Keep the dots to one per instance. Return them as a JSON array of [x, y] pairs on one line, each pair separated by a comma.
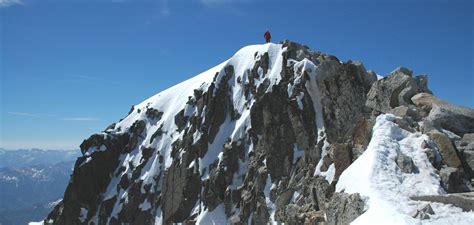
[[423, 213], [395, 90], [344, 208], [447, 150]]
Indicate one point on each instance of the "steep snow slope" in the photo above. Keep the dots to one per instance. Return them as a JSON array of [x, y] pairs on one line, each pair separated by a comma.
[[171, 101], [376, 175]]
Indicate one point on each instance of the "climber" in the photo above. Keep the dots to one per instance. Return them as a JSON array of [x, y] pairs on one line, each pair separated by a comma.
[[267, 36]]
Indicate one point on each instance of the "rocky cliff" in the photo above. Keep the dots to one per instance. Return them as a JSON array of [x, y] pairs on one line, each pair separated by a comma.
[[277, 133]]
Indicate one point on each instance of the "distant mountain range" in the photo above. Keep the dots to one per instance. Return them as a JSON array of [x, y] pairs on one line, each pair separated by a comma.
[[23, 157], [31, 181]]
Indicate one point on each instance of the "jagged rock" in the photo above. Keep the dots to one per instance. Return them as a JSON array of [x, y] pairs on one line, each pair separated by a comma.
[[406, 164], [457, 119], [433, 155], [276, 135], [344, 208], [423, 213], [321, 192], [402, 70], [465, 201], [465, 146], [424, 100], [427, 127], [394, 90], [371, 77], [407, 111], [315, 218], [453, 180], [342, 157], [446, 149], [89, 180], [288, 214], [153, 114], [181, 187], [361, 136], [343, 95], [406, 123], [296, 214]]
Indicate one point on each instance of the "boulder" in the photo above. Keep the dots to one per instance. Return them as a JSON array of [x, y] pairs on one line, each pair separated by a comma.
[[394, 90], [446, 149], [424, 212], [315, 218], [453, 180], [433, 155], [321, 192], [457, 119], [465, 201], [465, 146], [344, 208], [424, 100], [406, 164], [407, 111]]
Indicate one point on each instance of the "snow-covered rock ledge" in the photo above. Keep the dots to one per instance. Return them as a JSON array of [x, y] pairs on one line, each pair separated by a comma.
[[378, 176]]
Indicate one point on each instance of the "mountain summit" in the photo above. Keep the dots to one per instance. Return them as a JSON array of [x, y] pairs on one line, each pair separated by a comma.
[[279, 133]]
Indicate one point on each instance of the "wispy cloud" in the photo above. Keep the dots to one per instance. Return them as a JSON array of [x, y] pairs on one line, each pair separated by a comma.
[[56, 117], [90, 78], [30, 114], [80, 119], [164, 8], [6, 3]]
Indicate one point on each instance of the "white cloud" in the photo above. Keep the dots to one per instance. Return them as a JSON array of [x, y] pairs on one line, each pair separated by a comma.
[[39, 115], [6, 3], [30, 114], [80, 119]]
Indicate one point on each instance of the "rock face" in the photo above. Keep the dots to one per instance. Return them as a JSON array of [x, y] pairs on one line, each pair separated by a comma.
[[457, 119], [395, 90], [261, 138], [344, 208], [447, 150], [465, 147]]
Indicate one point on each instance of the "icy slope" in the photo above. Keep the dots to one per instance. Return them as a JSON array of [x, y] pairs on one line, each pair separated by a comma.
[[376, 176], [174, 99]]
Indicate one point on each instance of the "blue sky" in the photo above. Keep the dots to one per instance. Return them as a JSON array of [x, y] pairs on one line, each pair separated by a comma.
[[69, 68]]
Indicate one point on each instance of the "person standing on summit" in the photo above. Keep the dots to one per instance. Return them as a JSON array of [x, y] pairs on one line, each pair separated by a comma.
[[267, 36]]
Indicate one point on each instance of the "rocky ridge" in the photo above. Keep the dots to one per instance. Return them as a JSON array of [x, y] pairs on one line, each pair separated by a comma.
[[263, 137]]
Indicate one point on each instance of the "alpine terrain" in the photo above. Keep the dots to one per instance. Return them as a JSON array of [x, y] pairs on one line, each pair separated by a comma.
[[31, 182], [280, 133]]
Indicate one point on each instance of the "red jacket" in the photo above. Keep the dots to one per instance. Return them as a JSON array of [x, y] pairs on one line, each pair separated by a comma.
[[267, 35]]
